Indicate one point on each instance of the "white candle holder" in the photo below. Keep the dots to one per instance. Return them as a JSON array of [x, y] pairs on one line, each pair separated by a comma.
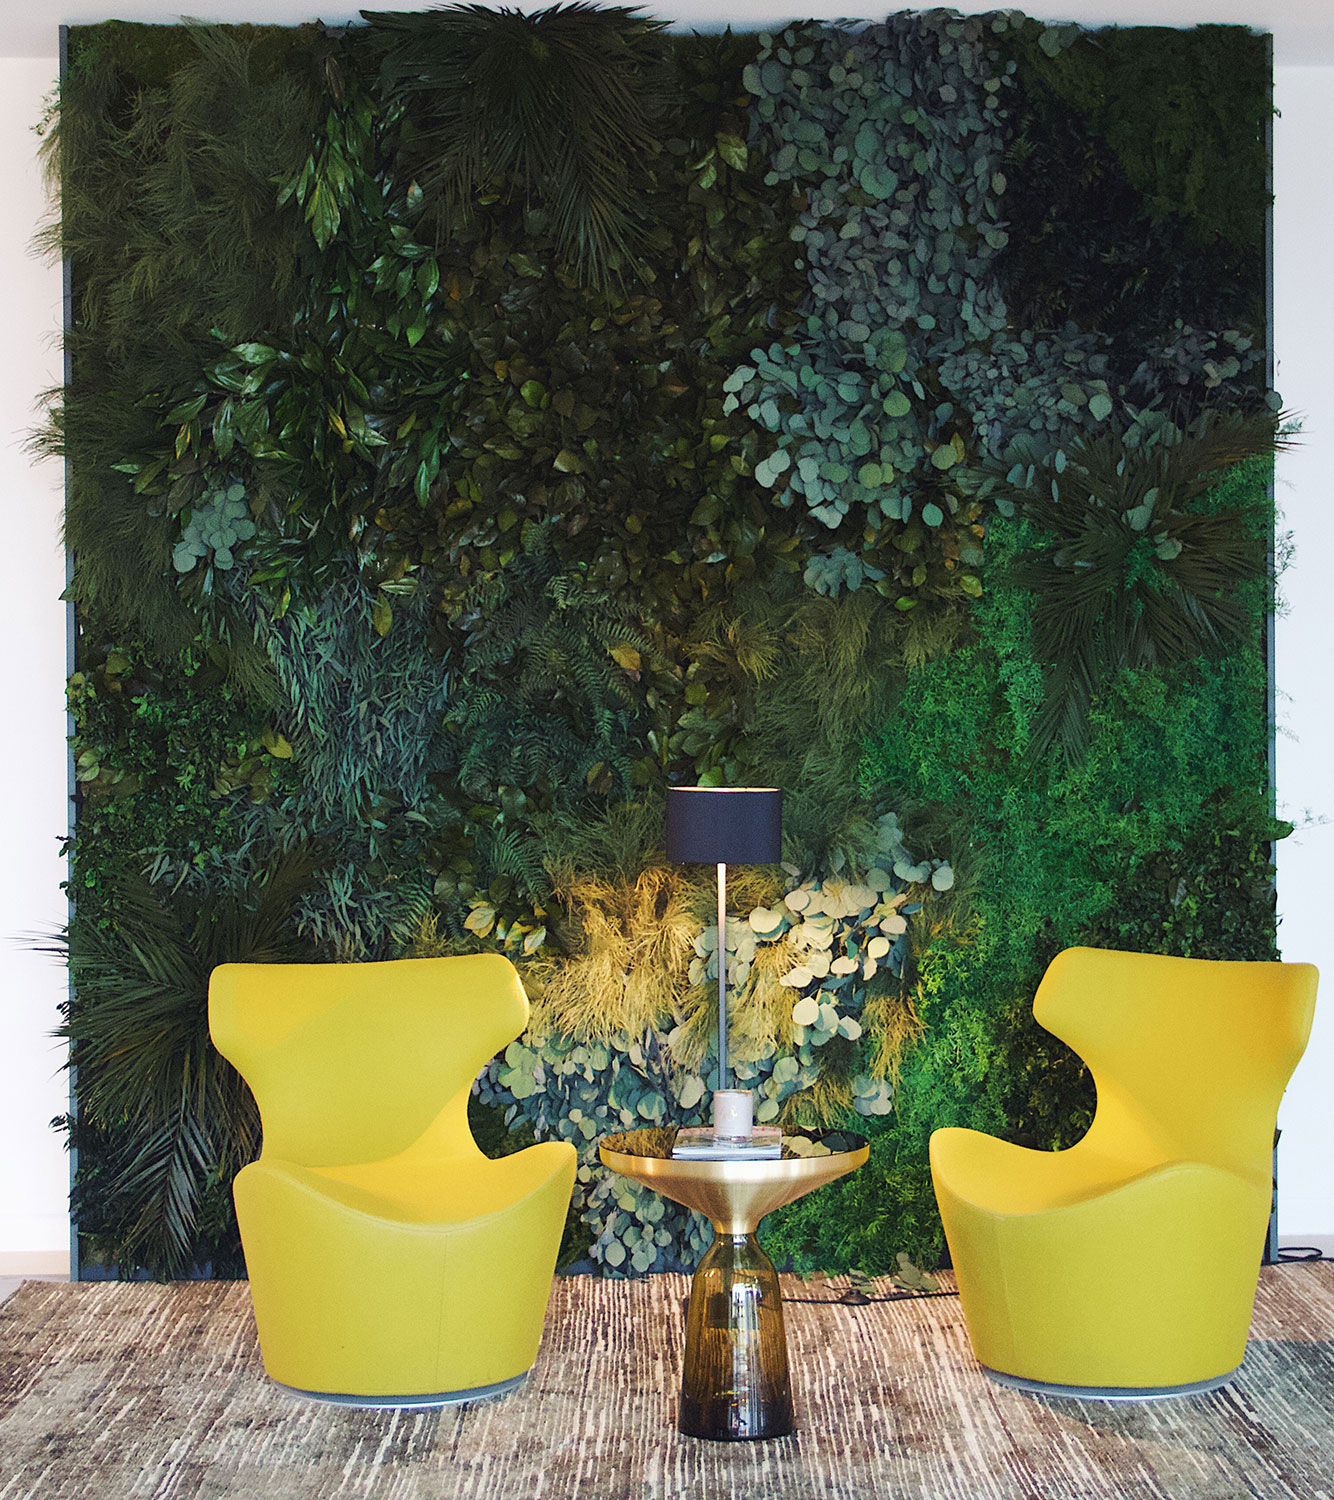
[[733, 1112]]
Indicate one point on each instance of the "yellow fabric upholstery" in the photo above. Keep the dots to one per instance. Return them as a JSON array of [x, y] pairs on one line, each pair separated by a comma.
[[1131, 1259], [387, 1256]]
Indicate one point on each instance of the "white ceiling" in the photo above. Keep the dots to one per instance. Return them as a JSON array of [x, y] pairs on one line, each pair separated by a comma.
[[1303, 29]]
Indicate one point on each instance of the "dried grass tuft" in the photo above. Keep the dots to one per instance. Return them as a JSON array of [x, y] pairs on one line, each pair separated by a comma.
[[630, 942], [892, 1024]]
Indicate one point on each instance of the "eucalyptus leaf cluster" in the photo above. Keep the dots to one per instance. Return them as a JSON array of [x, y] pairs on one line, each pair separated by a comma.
[[833, 935], [893, 134], [1204, 366], [580, 1091], [215, 525]]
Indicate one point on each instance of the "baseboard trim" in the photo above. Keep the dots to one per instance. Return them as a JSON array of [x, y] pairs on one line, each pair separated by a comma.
[[34, 1263]]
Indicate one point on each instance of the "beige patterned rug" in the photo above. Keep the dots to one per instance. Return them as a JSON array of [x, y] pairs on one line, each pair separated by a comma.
[[126, 1392]]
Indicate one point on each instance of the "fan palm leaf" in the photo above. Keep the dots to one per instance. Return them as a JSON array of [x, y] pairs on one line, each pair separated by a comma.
[[1133, 573], [148, 1074], [554, 106]]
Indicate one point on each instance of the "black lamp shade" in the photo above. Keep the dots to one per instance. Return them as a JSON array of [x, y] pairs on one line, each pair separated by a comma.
[[724, 825]]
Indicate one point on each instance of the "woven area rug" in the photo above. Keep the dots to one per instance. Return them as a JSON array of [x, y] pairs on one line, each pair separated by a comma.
[[126, 1392]]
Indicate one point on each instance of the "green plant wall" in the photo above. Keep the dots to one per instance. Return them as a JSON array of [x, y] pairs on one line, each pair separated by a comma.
[[480, 422]]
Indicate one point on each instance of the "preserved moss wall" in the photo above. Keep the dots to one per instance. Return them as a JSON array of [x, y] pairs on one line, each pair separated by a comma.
[[479, 422]]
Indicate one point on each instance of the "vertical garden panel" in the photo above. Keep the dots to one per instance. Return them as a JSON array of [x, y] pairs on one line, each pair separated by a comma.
[[479, 422]]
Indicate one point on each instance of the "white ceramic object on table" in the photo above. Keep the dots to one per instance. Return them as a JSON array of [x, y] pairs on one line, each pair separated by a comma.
[[733, 1112]]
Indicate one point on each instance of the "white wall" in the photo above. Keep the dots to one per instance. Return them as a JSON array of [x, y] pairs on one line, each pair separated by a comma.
[[1303, 30], [34, 1223], [1304, 342], [33, 1233]]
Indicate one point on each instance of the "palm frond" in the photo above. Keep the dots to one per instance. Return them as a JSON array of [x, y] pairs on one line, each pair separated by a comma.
[[1135, 571], [553, 106], [149, 1076]]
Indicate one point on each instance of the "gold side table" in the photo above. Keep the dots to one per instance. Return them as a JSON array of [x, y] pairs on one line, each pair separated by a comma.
[[734, 1382]]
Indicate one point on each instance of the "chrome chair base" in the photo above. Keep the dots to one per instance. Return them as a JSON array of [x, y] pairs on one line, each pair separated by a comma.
[[1108, 1392], [411, 1402]]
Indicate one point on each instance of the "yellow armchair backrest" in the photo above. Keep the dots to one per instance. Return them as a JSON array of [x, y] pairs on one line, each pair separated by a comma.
[[1190, 1058], [358, 1062]]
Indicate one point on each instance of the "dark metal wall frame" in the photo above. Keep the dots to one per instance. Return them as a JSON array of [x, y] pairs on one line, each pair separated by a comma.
[[1271, 700], [67, 320]]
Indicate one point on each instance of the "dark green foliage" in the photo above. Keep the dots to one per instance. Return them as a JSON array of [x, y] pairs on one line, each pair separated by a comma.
[[168, 211], [1186, 113], [780, 688], [1073, 206], [1131, 571], [444, 392], [362, 709], [553, 107], [167, 199], [167, 756], [549, 703], [1213, 897], [604, 411], [1086, 242], [175, 1117]]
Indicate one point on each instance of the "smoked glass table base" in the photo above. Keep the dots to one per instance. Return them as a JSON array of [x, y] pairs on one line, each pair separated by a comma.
[[735, 1384]]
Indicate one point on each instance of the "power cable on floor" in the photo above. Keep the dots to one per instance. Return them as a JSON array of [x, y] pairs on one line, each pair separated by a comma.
[[1288, 1255], [854, 1298]]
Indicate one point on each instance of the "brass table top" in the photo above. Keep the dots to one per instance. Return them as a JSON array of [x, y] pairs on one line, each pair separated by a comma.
[[735, 1195]]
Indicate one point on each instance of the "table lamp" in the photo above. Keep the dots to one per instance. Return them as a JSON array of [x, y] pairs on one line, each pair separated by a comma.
[[721, 826]]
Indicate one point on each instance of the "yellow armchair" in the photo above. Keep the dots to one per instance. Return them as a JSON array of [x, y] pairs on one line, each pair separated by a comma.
[[1128, 1263], [390, 1262]]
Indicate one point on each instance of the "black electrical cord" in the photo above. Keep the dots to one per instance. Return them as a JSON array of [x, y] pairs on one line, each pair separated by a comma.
[[1289, 1255], [853, 1298]]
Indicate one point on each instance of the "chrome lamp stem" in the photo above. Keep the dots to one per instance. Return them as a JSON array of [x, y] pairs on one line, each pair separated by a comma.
[[722, 976]]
